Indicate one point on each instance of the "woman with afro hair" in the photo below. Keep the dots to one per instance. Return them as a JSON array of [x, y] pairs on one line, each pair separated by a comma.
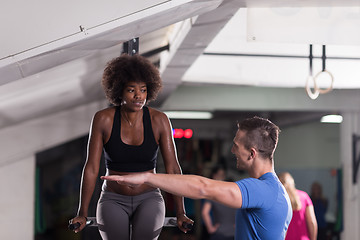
[[130, 135]]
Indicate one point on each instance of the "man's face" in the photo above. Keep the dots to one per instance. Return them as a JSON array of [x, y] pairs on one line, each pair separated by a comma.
[[239, 150]]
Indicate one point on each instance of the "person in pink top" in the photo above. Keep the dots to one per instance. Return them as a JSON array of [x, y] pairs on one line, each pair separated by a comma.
[[303, 225]]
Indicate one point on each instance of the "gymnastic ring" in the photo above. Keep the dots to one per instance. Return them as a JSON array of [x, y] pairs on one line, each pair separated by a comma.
[[312, 95], [323, 91]]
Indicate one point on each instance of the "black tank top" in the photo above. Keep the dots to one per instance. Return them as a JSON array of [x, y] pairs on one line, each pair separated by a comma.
[[122, 157]]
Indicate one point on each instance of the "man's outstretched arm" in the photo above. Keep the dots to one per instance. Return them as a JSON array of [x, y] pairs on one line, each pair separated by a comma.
[[190, 186]]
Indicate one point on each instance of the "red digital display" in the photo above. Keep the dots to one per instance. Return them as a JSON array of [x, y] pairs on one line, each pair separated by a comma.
[[182, 133]]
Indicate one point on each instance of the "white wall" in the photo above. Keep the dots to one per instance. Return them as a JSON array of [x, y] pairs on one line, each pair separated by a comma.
[[17, 199], [310, 145]]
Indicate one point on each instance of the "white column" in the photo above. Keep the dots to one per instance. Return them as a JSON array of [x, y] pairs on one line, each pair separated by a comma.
[[17, 199], [351, 192]]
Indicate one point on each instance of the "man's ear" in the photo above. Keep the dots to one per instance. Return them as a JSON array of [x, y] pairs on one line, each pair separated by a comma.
[[252, 153]]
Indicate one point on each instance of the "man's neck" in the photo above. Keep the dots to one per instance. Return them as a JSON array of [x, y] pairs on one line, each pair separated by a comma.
[[260, 167]]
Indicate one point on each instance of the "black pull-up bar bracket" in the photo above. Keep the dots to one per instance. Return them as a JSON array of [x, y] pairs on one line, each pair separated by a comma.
[[131, 47]]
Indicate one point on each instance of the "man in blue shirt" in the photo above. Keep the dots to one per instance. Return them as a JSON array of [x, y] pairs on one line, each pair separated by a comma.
[[264, 209]]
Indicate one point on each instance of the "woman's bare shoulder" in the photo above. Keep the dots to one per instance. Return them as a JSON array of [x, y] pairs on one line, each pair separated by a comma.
[[157, 115], [160, 121], [105, 115]]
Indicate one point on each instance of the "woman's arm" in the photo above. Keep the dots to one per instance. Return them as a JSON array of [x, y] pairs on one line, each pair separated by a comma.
[[311, 222], [91, 169], [168, 152], [205, 213]]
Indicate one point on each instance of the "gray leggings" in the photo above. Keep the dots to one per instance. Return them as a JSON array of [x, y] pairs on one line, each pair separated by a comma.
[[145, 214]]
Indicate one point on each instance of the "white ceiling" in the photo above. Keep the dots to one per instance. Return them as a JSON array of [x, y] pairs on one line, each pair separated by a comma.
[[274, 62], [57, 74]]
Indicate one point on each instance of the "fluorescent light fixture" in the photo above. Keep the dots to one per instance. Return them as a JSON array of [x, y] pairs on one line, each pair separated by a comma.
[[188, 115], [331, 119]]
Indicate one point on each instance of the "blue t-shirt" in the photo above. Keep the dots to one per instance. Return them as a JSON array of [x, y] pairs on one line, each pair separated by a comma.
[[266, 209]]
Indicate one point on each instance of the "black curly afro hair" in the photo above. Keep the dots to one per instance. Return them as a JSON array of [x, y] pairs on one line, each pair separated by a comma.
[[121, 70]]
